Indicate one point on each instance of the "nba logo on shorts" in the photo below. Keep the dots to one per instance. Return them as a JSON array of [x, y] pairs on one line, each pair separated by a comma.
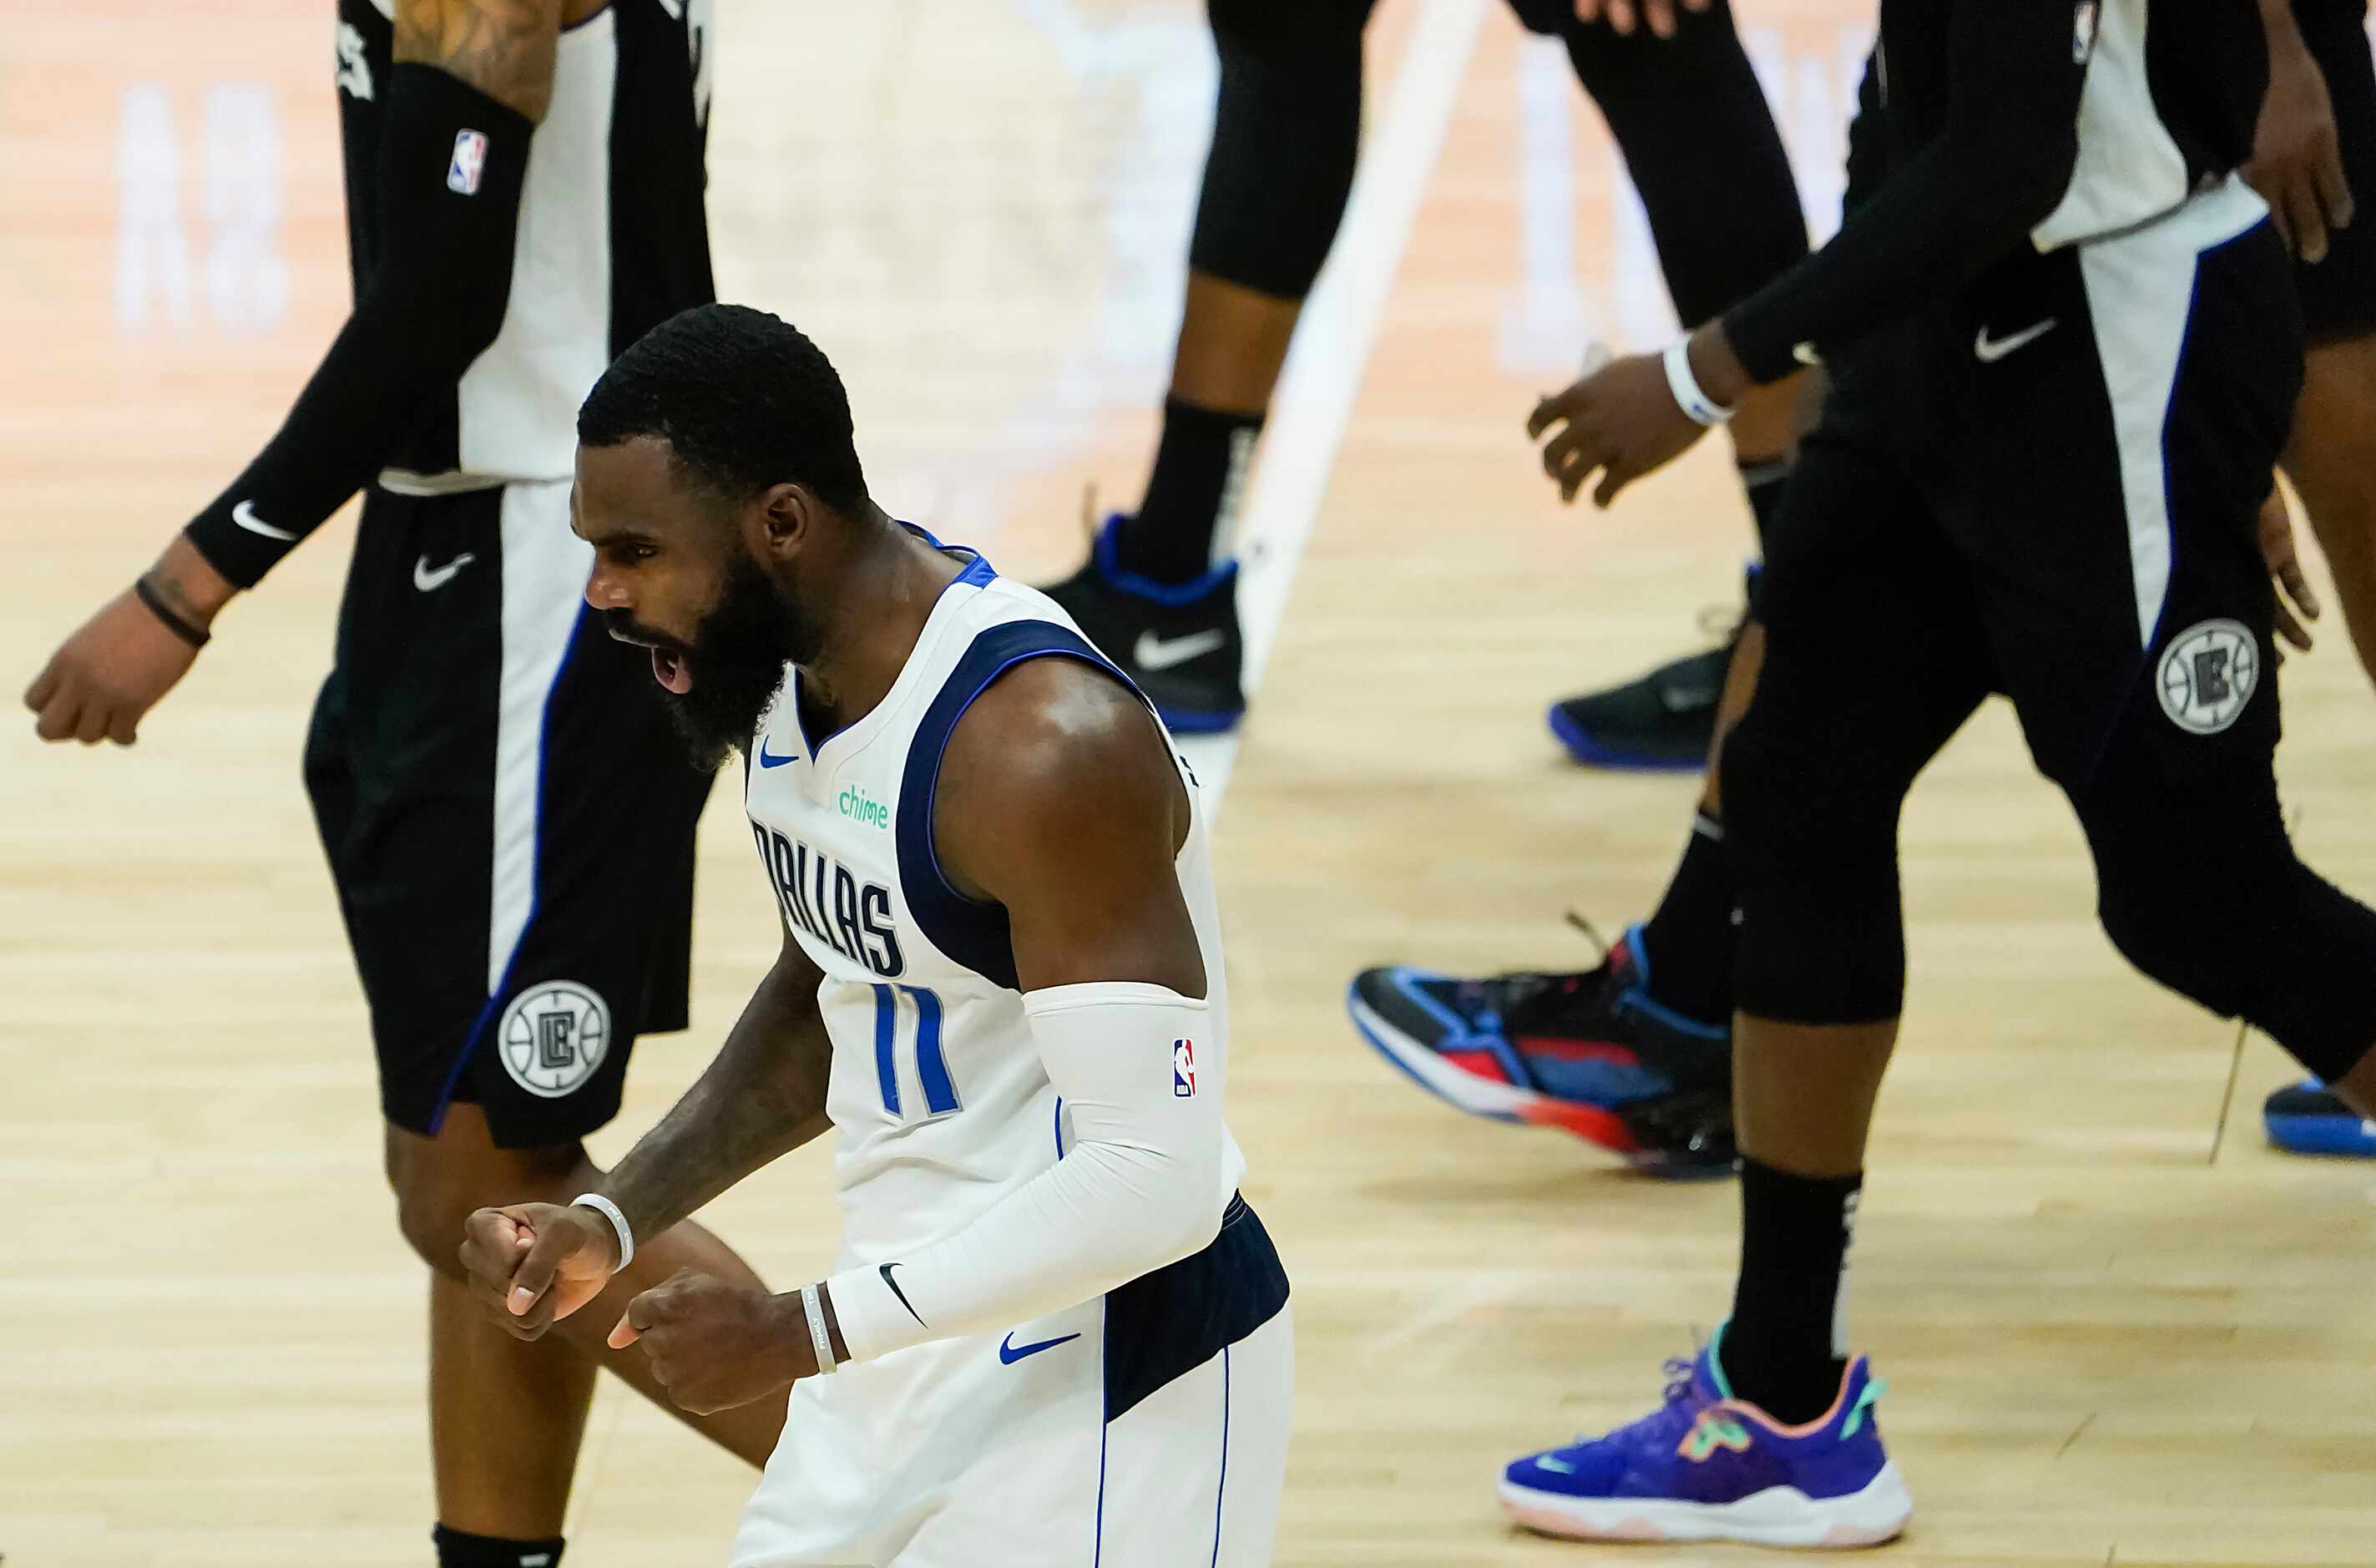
[[469, 162], [1183, 1068]]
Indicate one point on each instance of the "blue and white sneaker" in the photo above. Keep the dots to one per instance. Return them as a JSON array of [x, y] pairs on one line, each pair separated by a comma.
[[1705, 1466], [1178, 642], [2308, 1118]]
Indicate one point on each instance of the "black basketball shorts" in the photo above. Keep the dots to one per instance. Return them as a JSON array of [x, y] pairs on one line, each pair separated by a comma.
[[508, 817], [2338, 294], [2049, 490]]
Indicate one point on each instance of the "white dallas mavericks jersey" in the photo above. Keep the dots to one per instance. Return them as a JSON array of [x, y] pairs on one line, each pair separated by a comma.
[[938, 1099]]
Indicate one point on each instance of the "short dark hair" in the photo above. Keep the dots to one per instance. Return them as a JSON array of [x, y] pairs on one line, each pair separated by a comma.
[[743, 397]]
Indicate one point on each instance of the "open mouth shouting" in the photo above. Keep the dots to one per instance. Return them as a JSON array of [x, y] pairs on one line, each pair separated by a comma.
[[669, 666]]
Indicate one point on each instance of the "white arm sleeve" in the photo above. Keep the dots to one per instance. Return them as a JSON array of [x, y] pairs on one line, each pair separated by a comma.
[[1142, 1186]]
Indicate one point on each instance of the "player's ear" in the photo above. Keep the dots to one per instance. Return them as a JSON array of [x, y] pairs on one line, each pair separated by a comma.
[[785, 515]]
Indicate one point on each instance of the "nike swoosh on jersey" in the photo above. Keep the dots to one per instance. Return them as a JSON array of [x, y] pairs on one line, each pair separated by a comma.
[[1989, 350], [1010, 1352], [767, 759], [244, 515], [1152, 652], [428, 579]]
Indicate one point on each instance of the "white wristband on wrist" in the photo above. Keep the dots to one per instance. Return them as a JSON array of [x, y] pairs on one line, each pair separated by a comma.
[[610, 1211], [820, 1335], [1703, 410]]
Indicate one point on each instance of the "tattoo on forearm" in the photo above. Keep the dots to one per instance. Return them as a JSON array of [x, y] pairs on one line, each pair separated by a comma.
[[504, 48]]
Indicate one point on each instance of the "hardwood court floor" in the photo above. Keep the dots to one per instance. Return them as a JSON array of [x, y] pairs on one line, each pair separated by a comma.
[[2118, 1329]]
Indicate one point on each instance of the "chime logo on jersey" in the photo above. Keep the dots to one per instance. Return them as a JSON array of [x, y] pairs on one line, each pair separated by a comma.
[[469, 162], [1183, 1068], [2208, 672], [553, 1035]]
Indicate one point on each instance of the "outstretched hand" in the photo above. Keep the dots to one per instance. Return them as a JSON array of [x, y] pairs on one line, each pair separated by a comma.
[[1621, 420], [2297, 163]]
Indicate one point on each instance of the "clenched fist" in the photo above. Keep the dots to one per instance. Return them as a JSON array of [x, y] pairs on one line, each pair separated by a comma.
[[714, 1346], [531, 1263]]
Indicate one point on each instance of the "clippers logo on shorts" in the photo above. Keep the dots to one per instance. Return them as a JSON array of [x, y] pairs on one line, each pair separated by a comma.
[[469, 162], [1184, 1069], [2207, 675], [2083, 33], [553, 1037]]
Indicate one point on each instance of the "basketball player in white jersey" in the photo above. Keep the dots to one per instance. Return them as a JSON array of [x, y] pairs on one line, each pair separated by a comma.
[[1056, 1336]]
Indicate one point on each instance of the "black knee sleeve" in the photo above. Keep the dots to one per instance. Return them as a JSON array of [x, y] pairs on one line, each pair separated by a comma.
[[1814, 856], [2203, 893], [1701, 144], [1285, 133]]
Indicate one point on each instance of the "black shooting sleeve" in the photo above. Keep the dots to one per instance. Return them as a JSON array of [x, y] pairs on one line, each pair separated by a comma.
[[2000, 163], [452, 163]]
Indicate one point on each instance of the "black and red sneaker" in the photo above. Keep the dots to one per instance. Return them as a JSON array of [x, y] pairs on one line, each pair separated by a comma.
[[1592, 1052]]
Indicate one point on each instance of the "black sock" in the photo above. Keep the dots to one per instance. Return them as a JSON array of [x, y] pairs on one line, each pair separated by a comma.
[[1784, 1350], [1200, 472], [460, 1548], [1688, 943], [1765, 481]]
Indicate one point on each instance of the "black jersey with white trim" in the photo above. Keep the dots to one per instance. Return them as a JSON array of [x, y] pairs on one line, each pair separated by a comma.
[[1998, 126], [612, 240]]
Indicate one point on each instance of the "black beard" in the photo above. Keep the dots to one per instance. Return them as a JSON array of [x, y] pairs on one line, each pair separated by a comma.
[[737, 660]]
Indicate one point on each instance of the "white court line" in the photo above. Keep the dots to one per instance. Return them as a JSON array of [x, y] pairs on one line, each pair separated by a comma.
[[1333, 340]]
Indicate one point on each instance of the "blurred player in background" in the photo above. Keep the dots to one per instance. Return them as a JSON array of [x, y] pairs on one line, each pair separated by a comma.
[[1056, 1334], [1599, 1051], [1158, 595], [508, 824]]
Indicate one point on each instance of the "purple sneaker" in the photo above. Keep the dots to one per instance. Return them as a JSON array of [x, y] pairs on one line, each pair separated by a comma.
[[1709, 1466]]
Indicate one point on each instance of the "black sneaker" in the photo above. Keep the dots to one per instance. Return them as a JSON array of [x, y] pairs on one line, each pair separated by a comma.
[[1179, 641], [1663, 722], [1589, 1053]]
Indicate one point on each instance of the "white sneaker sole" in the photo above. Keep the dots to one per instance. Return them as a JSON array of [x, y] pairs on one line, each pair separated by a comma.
[[1479, 1096], [1779, 1515]]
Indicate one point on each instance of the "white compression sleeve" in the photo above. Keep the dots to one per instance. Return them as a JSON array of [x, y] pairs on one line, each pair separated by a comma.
[[1142, 1186]]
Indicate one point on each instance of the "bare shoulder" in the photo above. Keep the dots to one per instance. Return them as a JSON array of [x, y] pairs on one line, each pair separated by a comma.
[[1056, 764], [504, 48]]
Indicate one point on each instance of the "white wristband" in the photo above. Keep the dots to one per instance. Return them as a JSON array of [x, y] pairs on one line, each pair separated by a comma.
[[610, 1211], [819, 1335], [1686, 386]]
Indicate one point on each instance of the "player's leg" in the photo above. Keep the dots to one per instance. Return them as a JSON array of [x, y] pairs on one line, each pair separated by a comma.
[[1769, 1435], [2335, 427], [507, 855], [1160, 595], [1700, 142], [2234, 921]]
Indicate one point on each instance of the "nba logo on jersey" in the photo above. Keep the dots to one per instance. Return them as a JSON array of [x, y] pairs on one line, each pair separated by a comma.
[[470, 161], [1183, 1068]]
